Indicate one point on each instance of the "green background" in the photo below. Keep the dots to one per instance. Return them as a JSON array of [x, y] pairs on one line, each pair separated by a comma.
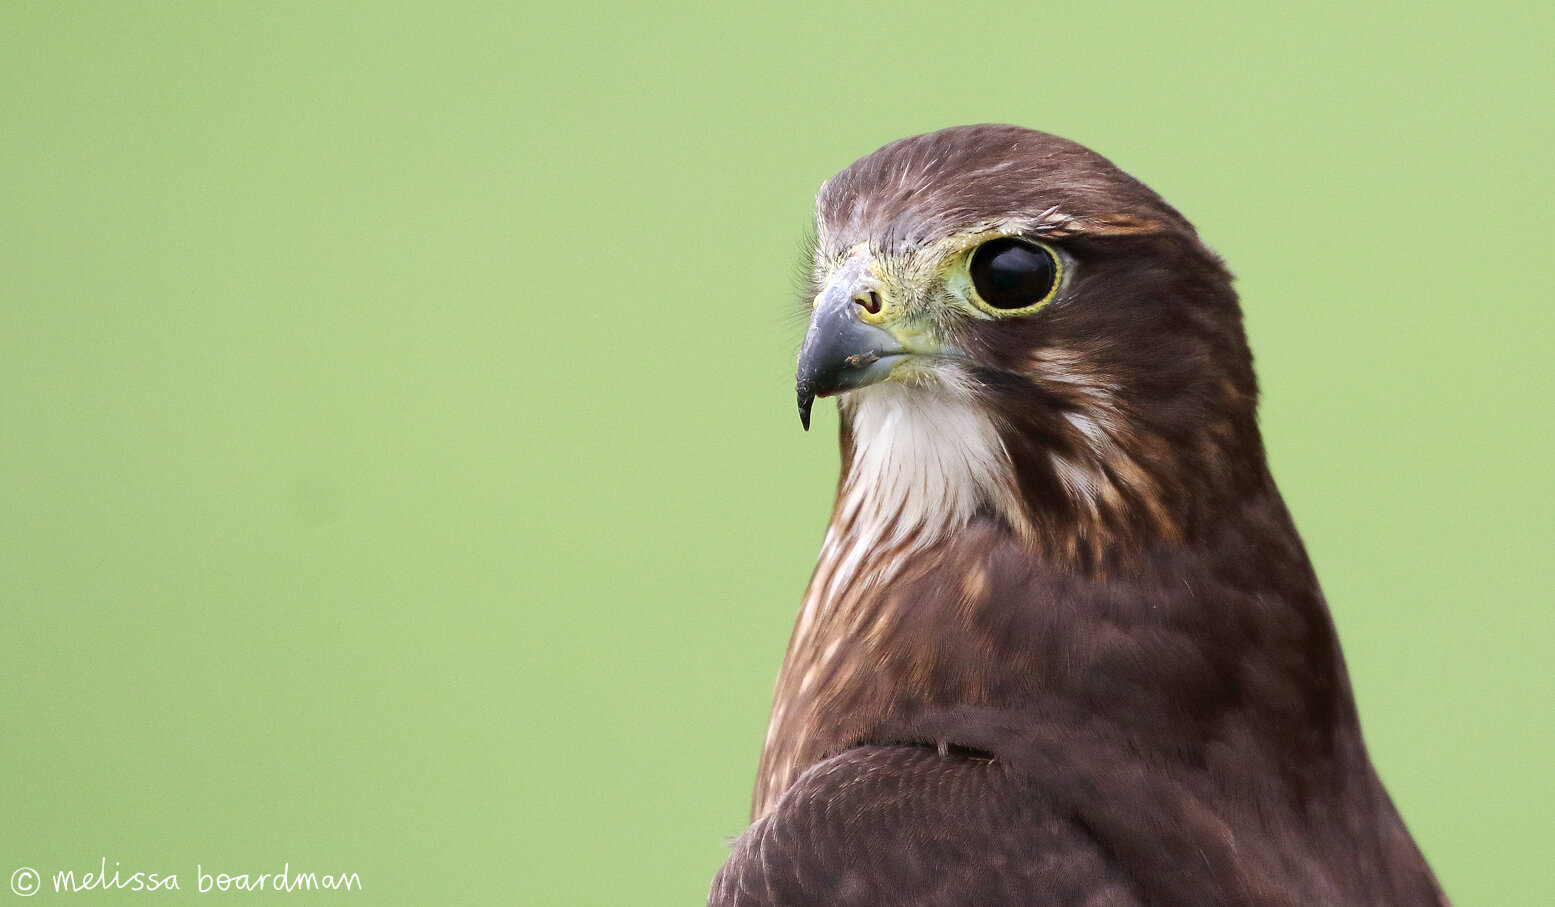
[[399, 470]]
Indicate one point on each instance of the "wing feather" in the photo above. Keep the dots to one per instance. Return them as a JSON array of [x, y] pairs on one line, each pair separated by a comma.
[[906, 825]]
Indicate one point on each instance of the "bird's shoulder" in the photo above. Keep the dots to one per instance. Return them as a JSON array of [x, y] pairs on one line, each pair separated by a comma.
[[912, 826]]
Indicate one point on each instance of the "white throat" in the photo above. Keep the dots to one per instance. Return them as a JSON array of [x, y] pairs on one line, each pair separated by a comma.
[[926, 459]]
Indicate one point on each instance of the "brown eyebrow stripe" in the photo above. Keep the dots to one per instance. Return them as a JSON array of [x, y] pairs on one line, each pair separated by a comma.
[[1110, 225]]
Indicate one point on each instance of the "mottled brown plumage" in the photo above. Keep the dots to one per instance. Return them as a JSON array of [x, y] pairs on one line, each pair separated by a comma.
[[1063, 645]]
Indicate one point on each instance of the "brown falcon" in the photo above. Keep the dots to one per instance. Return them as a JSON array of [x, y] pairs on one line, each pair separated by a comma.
[[1063, 644]]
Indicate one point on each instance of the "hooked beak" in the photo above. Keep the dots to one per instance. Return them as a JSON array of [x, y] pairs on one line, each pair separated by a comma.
[[841, 351]]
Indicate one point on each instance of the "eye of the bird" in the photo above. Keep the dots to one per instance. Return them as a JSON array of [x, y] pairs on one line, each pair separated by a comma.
[[1014, 276]]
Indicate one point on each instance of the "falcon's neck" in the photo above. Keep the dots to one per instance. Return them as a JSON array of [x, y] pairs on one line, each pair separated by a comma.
[[942, 582]]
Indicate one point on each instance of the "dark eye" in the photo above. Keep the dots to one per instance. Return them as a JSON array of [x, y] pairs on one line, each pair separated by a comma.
[[1010, 273]]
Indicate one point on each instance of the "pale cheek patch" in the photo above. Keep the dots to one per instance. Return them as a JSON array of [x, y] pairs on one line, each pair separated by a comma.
[[1110, 461]]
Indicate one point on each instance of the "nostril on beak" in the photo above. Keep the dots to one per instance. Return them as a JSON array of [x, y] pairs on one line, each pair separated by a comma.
[[869, 303]]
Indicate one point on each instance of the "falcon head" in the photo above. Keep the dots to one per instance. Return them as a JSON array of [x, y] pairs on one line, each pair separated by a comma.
[[1017, 328]]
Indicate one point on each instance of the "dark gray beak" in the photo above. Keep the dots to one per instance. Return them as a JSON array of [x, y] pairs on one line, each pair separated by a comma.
[[841, 352]]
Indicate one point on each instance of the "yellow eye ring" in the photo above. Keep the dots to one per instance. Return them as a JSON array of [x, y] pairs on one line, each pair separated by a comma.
[[1013, 275]]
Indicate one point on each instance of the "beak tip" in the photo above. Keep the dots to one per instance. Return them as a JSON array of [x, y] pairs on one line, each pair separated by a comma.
[[806, 400]]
